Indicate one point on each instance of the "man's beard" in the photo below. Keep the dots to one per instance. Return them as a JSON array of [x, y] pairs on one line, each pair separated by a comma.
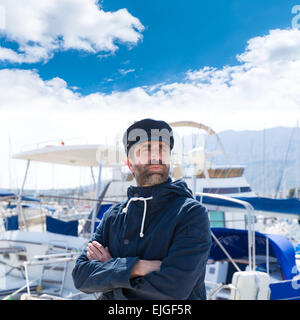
[[145, 177]]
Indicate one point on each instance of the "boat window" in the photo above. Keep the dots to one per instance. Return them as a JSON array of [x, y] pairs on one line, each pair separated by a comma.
[[227, 190], [221, 190], [217, 218], [22, 257], [6, 255], [246, 189]]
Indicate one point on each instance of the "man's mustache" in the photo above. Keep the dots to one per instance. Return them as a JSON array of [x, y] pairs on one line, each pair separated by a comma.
[[146, 166], [153, 162]]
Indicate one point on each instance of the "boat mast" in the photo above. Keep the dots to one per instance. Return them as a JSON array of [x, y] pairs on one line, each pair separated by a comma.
[[19, 202], [264, 162], [284, 165], [194, 166], [9, 163], [297, 140], [96, 197]]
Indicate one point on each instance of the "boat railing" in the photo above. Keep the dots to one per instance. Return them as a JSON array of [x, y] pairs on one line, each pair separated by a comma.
[[218, 288], [47, 259], [238, 288], [251, 231]]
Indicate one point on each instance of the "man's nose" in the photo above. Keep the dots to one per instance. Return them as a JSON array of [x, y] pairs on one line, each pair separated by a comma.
[[155, 156]]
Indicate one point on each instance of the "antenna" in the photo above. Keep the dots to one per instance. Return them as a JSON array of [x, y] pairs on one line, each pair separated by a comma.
[[297, 141], [264, 162], [9, 162], [284, 164]]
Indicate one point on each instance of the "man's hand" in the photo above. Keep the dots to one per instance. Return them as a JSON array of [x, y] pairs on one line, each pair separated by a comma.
[[143, 267], [95, 251]]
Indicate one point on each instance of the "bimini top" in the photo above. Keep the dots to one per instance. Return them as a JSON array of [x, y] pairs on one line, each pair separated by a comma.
[[76, 155], [281, 206], [235, 241], [32, 206], [6, 196]]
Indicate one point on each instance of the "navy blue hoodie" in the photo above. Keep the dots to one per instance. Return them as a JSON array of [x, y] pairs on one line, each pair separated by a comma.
[[175, 230]]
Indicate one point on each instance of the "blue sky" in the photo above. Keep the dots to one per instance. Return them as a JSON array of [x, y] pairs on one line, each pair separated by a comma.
[[178, 36], [81, 69]]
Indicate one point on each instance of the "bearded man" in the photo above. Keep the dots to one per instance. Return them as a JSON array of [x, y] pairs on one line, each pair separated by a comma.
[[154, 245]]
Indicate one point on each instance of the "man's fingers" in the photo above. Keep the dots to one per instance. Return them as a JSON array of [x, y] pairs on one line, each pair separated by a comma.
[[95, 249], [98, 246], [104, 251], [90, 255], [94, 253]]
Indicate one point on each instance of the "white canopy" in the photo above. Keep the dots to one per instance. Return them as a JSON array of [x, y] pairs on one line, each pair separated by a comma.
[[76, 155]]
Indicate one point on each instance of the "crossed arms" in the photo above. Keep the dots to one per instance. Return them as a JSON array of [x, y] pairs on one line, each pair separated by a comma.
[[172, 278], [95, 251]]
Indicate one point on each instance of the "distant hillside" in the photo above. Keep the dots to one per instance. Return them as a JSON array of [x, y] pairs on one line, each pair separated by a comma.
[[268, 155]]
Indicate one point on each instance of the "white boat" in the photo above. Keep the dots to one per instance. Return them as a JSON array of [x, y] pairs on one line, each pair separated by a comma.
[[248, 265], [38, 262], [43, 260]]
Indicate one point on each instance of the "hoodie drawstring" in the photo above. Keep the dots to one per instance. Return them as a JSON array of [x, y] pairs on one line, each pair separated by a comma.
[[144, 213]]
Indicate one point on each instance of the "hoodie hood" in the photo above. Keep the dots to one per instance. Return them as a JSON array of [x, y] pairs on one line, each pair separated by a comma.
[[162, 192], [153, 198]]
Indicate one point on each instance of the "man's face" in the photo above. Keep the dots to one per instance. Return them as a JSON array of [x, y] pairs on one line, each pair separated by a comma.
[[150, 162]]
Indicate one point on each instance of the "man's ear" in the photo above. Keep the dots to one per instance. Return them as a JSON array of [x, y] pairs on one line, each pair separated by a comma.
[[129, 164]]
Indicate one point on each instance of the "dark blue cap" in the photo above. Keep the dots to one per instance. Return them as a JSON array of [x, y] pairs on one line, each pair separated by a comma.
[[148, 130]]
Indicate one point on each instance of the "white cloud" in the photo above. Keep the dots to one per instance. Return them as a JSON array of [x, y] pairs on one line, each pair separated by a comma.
[[42, 27], [123, 72], [260, 92], [278, 46]]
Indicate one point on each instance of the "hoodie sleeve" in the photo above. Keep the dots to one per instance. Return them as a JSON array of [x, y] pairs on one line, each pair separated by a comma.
[[95, 276], [185, 263]]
